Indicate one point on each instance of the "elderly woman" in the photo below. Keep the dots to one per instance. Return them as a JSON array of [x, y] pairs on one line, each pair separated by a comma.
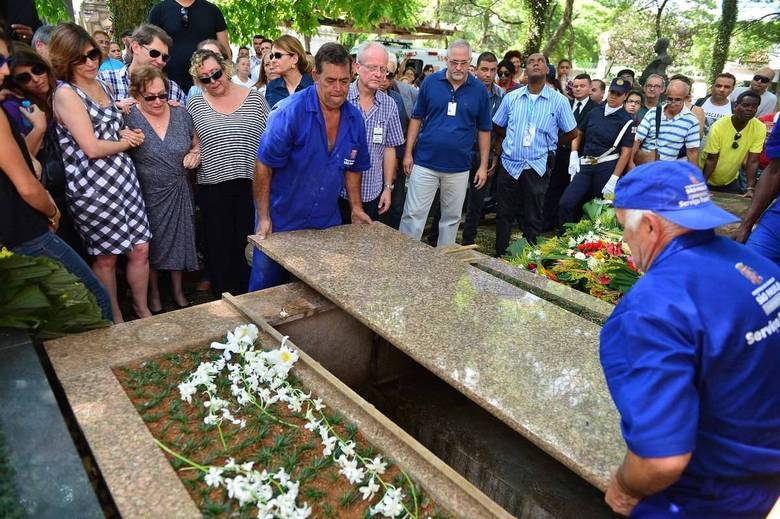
[[267, 74], [102, 190], [162, 163], [229, 120], [289, 61]]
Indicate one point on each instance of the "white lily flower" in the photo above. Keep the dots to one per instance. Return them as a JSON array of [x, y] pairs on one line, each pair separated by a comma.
[[580, 256], [376, 465], [214, 477], [187, 390], [370, 488]]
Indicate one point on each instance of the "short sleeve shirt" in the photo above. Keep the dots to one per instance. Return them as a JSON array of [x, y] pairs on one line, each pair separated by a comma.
[[721, 139], [600, 131], [693, 365], [681, 130], [307, 178], [450, 121]]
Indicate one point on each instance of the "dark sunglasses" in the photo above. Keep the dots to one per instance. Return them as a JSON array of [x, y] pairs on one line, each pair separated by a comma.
[[185, 18], [3, 60], [161, 97], [95, 54], [735, 144], [278, 55], [25, 77], [213, 77], [761, 79], [506, 73], [154, 54]]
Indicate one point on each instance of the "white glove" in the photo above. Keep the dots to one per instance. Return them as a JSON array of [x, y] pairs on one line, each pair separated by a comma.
[[609, 187], [574, 164]]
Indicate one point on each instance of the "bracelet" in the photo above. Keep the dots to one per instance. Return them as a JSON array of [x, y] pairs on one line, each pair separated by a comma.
[[53, 217], [751, 189]]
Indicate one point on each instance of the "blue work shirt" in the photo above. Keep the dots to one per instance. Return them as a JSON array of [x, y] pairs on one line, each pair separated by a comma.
[[532, 128], [306, 177], [765, 238], [600, 131], [276, 90], [691, 356], [445, 141]]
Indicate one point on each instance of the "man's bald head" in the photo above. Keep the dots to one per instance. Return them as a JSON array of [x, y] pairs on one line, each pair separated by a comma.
[[761, 85]]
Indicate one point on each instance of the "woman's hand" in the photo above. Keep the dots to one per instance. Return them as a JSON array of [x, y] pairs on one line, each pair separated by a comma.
[[125, 104], [35, 115], [132, 137], [192, 159], [37, 168]]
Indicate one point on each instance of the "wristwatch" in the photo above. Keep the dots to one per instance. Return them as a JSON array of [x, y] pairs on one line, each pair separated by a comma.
[[389, 186]]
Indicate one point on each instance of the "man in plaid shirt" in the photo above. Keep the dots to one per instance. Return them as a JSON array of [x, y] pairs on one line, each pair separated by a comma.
[[150, 47], [383, 131]]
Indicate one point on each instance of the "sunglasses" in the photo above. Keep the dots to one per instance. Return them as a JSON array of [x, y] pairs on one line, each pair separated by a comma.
[[761, 79], [154, 54], [675, 99], [185, 18], [506, 73], [3, 60], [94, 55], [162, 97], [25, 77], [278, 55], [735, 144], [213, 77]]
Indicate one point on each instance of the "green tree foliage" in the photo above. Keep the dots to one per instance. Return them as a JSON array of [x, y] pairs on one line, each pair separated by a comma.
[[751, 41], [486, 24], [54, 11], [538, 10]]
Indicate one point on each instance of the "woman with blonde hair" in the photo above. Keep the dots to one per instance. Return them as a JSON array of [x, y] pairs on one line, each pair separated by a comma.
[[267, 74], [214, 46], [289, 61], [102, 190]]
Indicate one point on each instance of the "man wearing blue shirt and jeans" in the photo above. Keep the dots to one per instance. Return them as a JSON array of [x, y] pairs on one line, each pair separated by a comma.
[[314, 145], [527, 123], [691, 356], [451, 107]]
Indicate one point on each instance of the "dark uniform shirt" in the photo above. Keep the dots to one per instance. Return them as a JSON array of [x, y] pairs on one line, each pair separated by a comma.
[[600, 131]]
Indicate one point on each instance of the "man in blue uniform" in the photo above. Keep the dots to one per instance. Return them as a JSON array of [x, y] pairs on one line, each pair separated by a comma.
[[691, 356], [765, 238], [314, 145], [605, 140]]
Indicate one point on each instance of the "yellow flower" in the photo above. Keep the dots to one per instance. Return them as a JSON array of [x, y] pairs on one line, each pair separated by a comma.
[[5, 253]]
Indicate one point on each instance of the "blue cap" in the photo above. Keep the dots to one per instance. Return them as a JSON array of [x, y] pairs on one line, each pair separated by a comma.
[[675, 190], [620, 85]]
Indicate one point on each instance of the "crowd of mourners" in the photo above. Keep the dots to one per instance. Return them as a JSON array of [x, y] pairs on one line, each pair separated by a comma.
[[121, 146]]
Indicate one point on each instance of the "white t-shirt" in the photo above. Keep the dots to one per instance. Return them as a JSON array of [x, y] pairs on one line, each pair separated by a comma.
[[714, 112], [768, 101], [254, 75], [249, 83]]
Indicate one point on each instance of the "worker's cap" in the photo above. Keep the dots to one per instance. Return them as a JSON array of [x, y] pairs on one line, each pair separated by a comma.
[[675, 190], [620, 85]]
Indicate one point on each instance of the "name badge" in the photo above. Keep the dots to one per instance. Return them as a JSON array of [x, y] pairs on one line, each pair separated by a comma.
[[528, 136], [378, 135], [452, 107]]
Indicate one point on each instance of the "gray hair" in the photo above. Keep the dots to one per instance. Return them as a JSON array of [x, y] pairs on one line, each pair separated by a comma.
[[683, 83], [370, 45], [659, 76], [43, 35], [632, 217], [392, 62], [458, 44]]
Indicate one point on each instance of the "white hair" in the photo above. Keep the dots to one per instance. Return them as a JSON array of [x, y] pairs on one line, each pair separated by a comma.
[[370, 45], [658, 76], [683, 83], [392, 62], [458, 44], [633, 217]]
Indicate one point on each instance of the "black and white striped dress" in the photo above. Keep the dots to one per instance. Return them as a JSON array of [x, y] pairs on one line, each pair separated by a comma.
[[228, 142], [103, 194]]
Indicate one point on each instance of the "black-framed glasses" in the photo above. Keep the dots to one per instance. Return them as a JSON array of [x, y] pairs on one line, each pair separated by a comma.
[[735, 144], [154, 54], [38, 69], [213, 77], [94, 54], [505, 73], [761, 79], [278, 55], [185, 18], [163, 96]]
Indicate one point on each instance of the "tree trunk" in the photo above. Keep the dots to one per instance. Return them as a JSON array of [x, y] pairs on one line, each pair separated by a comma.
[[128, 14], [720, 51], [658, 15], [537, 19], [564, 24]]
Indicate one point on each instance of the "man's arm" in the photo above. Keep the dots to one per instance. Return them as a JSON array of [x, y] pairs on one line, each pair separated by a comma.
[[766, 191], [710, 164], [625, 156], [480, 177], [222, 37], [693, 156], [388, 173], [566, 138], [352, 184], [261, 189], [750, 170], [411, 138], [500, 132]]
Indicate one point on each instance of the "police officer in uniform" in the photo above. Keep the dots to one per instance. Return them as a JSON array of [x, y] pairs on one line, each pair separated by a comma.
[[691, 356], [605, 140]]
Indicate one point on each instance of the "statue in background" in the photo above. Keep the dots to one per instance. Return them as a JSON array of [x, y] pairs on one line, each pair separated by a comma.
[[661, 61]]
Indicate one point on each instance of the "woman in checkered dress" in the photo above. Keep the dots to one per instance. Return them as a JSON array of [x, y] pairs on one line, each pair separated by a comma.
[[103, 193]]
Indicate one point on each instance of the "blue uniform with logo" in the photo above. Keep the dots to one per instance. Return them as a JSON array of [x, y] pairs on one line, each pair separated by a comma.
[[691, 356], [307, 178], [765, 238]]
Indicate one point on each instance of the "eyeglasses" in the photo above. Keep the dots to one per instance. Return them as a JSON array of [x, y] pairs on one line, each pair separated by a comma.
[[373, 69], [278, 55], [761, 79], [458, 63], [505, 73], [675, 99], [25, 77], [95, 54], [185, 18], [213, 77], [161, 96], [154, 54], [735, 144], [633, 102]]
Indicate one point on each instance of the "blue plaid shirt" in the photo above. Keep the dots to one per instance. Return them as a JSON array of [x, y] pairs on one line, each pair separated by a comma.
[[384, 115], [119, 81]]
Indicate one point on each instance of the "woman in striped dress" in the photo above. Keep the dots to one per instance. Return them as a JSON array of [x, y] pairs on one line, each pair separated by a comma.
[[229, 120], [102, 190]]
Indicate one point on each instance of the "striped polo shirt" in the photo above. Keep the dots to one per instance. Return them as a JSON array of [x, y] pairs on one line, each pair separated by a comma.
[[681, 130]]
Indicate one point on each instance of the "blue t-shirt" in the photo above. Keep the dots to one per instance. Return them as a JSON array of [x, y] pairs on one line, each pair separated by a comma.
[[691, 356], [111, 64], [276, 90], [765, 238], [307, 179], [445, 141]]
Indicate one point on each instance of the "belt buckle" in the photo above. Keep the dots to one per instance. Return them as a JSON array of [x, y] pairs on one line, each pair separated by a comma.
[[590, 161]]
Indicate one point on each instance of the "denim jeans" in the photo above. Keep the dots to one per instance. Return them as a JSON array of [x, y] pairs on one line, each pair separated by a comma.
[[52, 246]]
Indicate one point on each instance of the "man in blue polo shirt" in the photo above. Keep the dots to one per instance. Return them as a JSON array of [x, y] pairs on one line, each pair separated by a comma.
[[314, 145], [452, 106], [691, 356], [765, 238]]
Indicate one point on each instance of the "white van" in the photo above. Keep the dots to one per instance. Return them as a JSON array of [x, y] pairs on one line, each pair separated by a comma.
[[417, 57]]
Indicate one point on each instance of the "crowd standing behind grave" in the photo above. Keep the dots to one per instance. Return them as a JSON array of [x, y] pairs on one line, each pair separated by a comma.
[[164, 148]]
